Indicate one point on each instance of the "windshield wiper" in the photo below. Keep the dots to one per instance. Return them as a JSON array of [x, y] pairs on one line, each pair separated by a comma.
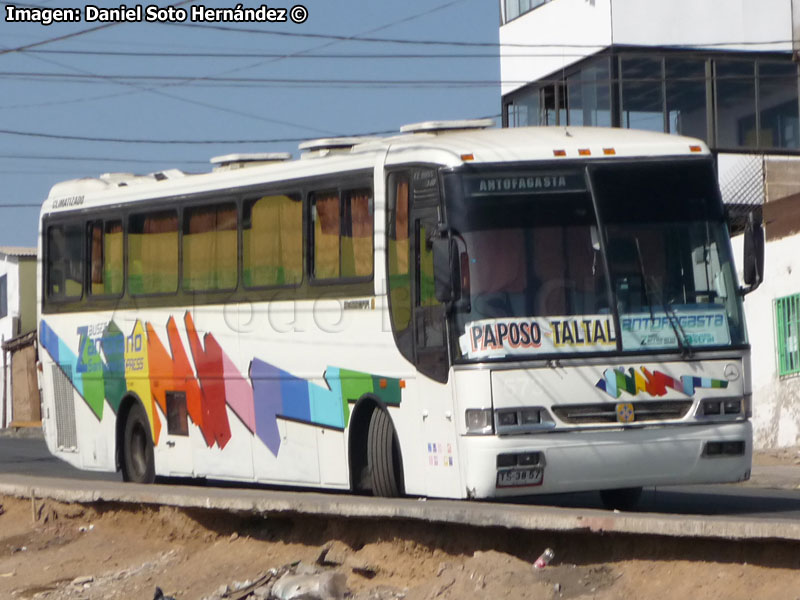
[[680, 334], [644, 278]]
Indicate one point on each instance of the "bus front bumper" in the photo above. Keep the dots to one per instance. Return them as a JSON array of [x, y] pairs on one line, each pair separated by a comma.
[[577, 461]]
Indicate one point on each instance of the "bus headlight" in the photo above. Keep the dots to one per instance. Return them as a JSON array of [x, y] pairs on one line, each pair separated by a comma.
[[479, 421]]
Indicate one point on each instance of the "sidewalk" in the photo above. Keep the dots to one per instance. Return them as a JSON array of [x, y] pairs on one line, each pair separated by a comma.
[[22, 432]]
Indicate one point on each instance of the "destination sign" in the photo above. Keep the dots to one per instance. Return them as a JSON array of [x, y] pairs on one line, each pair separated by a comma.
[[496, 338], [541, 182]]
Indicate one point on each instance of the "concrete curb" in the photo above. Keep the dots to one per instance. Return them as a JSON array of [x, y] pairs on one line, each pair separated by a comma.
[[475, 514]]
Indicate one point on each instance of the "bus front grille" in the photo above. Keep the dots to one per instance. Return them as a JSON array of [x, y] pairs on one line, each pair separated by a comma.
[[583, 414], [64, 399]]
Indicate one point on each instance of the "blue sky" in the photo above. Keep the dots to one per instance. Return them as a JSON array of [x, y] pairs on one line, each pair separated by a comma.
[[145, 81]]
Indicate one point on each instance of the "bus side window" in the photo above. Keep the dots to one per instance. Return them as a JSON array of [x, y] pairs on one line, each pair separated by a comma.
[[153, 252], [357, 231], [105, 258], [342, 229], [210, 247], [398, 262], [326, 219], [272, 241], [65, 262]]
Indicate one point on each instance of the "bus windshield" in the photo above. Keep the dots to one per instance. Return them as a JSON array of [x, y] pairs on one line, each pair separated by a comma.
[[558, 261]]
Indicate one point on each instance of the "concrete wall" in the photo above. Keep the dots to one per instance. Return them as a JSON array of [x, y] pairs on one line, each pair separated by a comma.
[[551, 28], [21, 317], [776, 402], [575, 29], [27, 294]]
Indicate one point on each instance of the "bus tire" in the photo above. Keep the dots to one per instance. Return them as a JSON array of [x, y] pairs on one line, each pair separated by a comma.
[[621, 499], [383, 456], [138, 464]]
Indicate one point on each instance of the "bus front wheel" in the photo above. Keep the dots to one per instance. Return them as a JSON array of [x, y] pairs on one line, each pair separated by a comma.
[[383, 456], [138, 464]]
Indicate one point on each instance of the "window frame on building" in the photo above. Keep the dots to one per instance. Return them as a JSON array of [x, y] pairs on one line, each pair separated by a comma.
[[787, 334], [527, 106]]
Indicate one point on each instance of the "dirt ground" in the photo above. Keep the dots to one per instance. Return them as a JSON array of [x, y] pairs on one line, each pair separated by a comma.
[[58, 552]]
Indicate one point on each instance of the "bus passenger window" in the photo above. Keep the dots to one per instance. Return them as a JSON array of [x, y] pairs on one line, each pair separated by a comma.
[[64, 262], [357, 234], [272, 241], [105, 260], [326, 217], [153, 253], [398, 252], [343, 228], [210, 248]]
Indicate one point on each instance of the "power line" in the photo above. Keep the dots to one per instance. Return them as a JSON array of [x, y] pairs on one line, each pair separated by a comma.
[[145, 141], [73, 158], [66, 36], [282, 56], [126, 81], [286, 80], [323, 36]]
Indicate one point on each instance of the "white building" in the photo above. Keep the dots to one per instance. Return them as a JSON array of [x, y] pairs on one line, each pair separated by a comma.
[[17, 317], [724, 71]]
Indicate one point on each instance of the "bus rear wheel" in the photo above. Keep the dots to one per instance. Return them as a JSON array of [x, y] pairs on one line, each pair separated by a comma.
[[383, 456], [138, 464]]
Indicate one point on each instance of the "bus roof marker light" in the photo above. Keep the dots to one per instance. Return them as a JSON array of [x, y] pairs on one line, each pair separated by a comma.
[[559, 152], [695, 148], [609, 151], [584, 152], [467, 157]]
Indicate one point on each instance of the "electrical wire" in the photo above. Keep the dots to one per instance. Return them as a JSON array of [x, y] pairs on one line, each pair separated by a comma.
[[188, 142]]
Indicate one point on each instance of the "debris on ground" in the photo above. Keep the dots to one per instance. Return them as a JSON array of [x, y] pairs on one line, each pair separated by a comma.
[[194, 554]]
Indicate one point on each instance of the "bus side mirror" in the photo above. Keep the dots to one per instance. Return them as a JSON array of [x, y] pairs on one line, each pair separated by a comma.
[[443, 251], [753, 253]]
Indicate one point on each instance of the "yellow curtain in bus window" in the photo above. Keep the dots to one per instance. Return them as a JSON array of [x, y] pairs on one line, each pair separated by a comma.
[[153, 253], [357, 234], [209, 248], [273, 241], [106, 258], [113, 257], [399, 286], [327, 229]]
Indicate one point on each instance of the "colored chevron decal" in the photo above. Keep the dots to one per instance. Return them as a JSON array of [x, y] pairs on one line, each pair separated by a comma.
[[109, 365], [655, 383]]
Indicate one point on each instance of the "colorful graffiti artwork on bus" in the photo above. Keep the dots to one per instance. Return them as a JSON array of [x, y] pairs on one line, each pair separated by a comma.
[[108, 364], [655, 383]]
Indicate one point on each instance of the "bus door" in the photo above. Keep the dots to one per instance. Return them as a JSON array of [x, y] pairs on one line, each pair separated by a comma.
[[430, 352]]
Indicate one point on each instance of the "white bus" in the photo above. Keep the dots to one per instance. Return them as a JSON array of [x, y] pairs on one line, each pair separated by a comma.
[[455, 311]]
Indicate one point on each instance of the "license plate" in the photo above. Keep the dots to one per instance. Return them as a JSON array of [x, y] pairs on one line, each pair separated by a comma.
[[520, 477]]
